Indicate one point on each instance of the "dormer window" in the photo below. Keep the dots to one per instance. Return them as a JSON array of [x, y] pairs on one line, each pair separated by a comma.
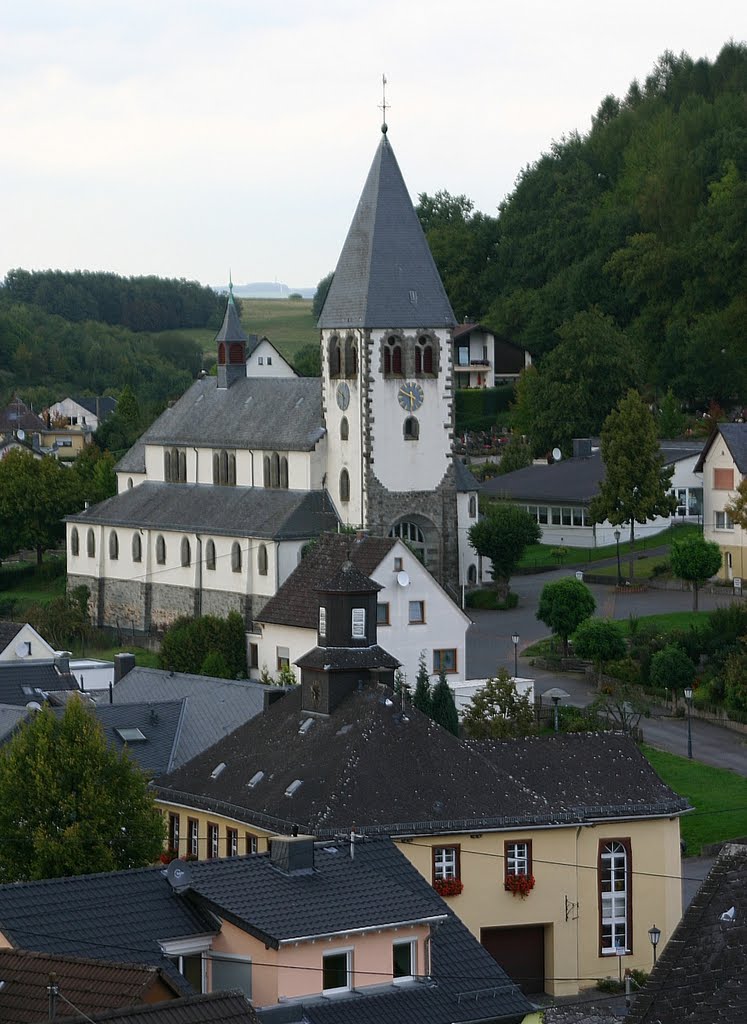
[[358, 629]]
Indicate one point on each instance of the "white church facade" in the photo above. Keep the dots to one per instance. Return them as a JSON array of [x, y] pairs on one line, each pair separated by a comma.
[[218, 497]]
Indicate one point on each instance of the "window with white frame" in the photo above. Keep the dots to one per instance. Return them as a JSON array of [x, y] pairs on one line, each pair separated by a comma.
[[212, 840], [358, 629], [404, 959], [229, 972], [193, 837], [337, 971], [251, 843], [723, 521], [232, 842], [614, 896], [445, 862], [322, 621], [518, 858]]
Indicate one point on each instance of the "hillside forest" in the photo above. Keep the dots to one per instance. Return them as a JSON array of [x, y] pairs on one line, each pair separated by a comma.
[[618, 260]]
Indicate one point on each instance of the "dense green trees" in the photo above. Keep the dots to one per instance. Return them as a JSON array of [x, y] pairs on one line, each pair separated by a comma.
[[69, 804], [502, 535], [497, 711], [563, 605], [320, 295], [599, 640], [35, 494], [695, 559], [190, 645]]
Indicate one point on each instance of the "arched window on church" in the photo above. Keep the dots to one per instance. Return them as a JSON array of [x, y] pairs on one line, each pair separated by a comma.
[[160, 550], [262, 560], [411, 429], [351, 358], [472, 575], [210, 555], [137, 547], [284, 472], [266, 467], [74, 541], [344, 485], [428, 362], [91, 544], [424, 361], [182, 467], [216, 468], [392, 357], [413, 535], [186, 552], [224, 467], [232, 470], [274, 470], [221, 354], [235, 557], [344, 429], [472, 506], [236, 353], [335, 357], [397, 361], [113, 545], [167, 465]]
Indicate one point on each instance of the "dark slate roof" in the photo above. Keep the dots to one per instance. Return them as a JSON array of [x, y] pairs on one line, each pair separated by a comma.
[[212, 707], [701, 976], [348, 579], [268, 413], [8, 632], [230, 511], [370, 766], [90, 986], [101, 406], [466, 985], [463, 477], [11, 716], [386, 276], [17, 415], [158, 722], [574, 480], [377, 887], [76, 916], [133, 461], [231, 329], [24, 681], [292, 605], [735, 436], [212, 1008], [341, 659]]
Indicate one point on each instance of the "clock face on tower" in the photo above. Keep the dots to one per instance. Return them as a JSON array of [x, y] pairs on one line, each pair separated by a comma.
[[410, 396], [343, 395]]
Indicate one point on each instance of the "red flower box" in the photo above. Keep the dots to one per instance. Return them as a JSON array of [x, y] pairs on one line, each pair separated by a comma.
[[448, 886], [167, 856], [519, 885]]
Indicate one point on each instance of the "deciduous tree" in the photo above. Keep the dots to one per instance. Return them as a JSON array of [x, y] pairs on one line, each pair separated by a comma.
[[189, 642], [622, 704], [695, 559], [497, 710], [69, 804], [321, 294], [671, 668], [563, 605], [35, 494], [599, 640], [502, 535], [636, 483]]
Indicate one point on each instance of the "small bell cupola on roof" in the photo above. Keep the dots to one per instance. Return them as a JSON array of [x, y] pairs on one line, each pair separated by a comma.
[[347, 654], [231, 342], [386, 275]]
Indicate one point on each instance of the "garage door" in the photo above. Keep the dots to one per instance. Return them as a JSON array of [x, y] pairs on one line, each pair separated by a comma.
[[520, 952]]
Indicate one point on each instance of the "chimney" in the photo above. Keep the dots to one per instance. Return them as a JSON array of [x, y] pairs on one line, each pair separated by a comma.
[[62, 663], [123, 663], [293, 855]]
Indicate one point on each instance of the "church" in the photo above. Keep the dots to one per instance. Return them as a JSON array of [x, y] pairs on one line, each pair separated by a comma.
[[219, 496]]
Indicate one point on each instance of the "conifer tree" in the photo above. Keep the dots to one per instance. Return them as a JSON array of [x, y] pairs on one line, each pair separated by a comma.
[[443, 708], [422, 699]]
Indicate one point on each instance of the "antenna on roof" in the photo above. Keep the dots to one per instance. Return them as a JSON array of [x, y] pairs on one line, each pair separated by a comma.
[[383, 106]]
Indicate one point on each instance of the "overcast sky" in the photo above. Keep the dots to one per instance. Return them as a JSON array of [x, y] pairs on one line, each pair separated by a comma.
[[185, 138]]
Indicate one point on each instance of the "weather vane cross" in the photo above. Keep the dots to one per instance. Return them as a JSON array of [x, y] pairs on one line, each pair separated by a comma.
[[383, 105]]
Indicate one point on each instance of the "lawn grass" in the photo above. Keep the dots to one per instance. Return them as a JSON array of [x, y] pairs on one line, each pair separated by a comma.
[[542, 554], [664, 622], [288, 324], [24, 589], [645, 568], [718, 796], [143, 658]]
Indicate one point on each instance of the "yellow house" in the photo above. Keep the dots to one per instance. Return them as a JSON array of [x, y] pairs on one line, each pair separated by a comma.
[[557, 853], [723, 464]]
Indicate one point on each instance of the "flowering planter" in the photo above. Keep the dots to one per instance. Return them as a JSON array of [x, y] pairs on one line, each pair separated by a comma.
[[519, 885], [167, 856], [448, 886]]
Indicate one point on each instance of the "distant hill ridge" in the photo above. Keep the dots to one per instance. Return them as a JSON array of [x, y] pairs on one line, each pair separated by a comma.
[[265, 290]]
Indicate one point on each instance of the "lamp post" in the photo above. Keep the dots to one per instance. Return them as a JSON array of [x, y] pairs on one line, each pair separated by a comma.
[[654, 935], [515, 640], [556, 701], [689, 699], [616, 535]]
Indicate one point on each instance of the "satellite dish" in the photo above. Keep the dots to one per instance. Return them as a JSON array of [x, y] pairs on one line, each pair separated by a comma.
[[179, 874], [23, 649], [403, 579], [33, 705], [21, 434], [557, 454]]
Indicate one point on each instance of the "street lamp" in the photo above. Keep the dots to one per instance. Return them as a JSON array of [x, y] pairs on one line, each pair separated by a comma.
[[616, 535], [556, 701], [654, 935], [689, 699], [515, 640]]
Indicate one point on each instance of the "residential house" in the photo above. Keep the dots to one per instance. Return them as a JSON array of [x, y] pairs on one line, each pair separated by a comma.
[[559, 495], [87, 413], [306, 931], [482, 360], [19, 641], [723, 465], [414, 613], [700, 977], [220, 494], [22, 682], [84, 986]]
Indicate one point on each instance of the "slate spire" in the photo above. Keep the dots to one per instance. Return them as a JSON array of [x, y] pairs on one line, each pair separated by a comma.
[[386, 276], [231, 329]]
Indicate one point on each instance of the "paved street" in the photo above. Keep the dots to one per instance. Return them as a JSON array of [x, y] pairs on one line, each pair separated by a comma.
[[489, 647]]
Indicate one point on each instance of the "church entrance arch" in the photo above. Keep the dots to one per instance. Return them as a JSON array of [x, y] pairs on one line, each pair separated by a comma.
[[421, 536]]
